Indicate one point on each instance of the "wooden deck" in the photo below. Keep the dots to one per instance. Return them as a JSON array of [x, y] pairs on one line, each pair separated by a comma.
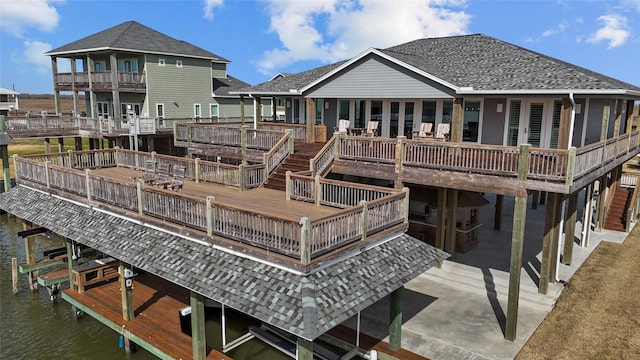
[[156, 321], [260, 200]]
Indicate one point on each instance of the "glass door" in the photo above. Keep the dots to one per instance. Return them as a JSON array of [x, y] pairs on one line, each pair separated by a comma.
[[393, 119], [408, 119]]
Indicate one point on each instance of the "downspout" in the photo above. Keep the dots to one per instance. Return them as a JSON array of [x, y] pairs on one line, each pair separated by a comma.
[[255, 112]]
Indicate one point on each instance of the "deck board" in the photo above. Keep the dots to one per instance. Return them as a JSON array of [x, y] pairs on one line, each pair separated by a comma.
[[271, 202], [156, 304]]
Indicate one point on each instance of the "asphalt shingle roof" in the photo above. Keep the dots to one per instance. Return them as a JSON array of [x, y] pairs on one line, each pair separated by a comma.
[[222, 86], [135, 37], [306, 306], [478, 61]]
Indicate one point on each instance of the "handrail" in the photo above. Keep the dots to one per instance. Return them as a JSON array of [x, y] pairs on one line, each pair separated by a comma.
[[277, 154], [320, 162]]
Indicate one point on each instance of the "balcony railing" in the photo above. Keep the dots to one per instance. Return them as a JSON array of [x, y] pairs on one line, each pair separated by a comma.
[[547, 165], [41, 125], [359, 211], [100, 80]]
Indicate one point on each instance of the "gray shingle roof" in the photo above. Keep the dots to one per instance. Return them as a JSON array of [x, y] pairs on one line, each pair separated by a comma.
[[478, 61], [306, 306], [135, 37], [222, 86]]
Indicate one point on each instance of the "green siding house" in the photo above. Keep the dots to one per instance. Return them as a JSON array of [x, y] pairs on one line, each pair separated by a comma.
[[131, 66]]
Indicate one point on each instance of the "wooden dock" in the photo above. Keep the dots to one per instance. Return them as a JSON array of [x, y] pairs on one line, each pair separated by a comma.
[[156, 326]]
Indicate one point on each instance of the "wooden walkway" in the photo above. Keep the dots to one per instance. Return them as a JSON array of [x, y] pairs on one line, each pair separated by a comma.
[[156, 321], [271, 202], [369, 343]]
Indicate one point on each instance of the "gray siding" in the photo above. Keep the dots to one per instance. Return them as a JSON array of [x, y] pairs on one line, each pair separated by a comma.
[[178, 88], [377, 78], [594, 120], [493, 122], [219, 70], [578, 124], [230, 107]]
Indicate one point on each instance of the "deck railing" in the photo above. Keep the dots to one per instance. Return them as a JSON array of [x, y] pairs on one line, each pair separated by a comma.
[[550, 165], [321, 163], [363, 210], [70, 125]]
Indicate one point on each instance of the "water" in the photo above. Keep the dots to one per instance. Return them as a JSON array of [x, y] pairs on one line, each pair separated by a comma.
[[33, 327]]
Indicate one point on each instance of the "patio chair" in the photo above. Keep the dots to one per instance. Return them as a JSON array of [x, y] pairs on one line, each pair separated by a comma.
[[177, 181], [372, 129], [443, 131], [424, 132], [149, 175], [162, 175], [343, 126]]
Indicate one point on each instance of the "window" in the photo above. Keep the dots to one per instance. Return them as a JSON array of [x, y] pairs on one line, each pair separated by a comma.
[[343, 111], [447, 112], [319, 107], [128, 65], [555, 128], [429, 112], [103, 110], [514, 122], [197, 111], [408, 119], [179, 63], [213, 110], [359, 113], [376, 111], [100, 66], [161, 62]]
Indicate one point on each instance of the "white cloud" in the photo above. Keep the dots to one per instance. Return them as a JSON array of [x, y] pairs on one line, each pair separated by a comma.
[[631, 4], [332, 30], [18, 15], [34, 54], [615, 31], [209, 5], [561, 28]]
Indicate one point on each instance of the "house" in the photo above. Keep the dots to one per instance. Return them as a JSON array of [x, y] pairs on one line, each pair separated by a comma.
[[520, 124], [8, 101], [506, 95], [133, 66]]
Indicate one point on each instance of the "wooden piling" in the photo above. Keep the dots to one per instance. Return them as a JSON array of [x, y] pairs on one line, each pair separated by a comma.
[[14, 275], [395, 320], [567, 253]]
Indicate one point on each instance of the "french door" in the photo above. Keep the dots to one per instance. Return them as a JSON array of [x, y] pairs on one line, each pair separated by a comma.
[[526, 122]]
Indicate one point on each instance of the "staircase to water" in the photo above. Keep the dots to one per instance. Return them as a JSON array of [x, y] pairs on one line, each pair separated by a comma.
[[298, 161]]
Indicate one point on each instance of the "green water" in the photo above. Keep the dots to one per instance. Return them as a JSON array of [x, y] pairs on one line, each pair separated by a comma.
[[34, 327]]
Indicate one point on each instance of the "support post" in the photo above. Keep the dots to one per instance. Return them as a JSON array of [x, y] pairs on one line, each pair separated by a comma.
[[311, 120], [601, 202], [497, 217], [198, 338], [70, 261], [517, 241], [305, 241], [210, 216], [547, 240], [197, 169], [318, 190], [395, 320], [304, 349], [457, 122], [364, 220], [399, 153], [442, 218], [587, 216], [572, 217], [452, 198], [140, 197], [30, 254], [126, 291], [14, 275], [555, 244]]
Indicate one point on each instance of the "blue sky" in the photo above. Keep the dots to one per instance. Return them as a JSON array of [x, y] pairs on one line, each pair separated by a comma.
[[265, 37]]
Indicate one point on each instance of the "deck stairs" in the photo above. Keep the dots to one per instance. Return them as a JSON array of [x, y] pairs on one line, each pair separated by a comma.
[[617, 212], [298, 161], [492, 283]]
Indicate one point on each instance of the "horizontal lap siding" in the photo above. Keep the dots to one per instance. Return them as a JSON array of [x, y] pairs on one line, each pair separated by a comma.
[[375, 77]]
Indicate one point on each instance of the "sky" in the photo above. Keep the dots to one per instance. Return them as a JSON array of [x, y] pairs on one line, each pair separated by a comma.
[[264, 37]]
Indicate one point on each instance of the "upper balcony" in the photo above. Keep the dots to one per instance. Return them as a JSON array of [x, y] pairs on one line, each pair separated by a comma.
[[100, 81], [505, 170]]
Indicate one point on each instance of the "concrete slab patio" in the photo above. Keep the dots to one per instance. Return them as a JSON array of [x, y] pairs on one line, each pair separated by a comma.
[[458, 311]]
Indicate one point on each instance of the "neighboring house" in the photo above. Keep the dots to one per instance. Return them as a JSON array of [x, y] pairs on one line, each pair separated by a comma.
[[156, 75], [507, 95], [8, 101]]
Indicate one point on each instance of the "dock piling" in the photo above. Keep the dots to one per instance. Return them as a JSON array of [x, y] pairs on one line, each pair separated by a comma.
[[14, 275]]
